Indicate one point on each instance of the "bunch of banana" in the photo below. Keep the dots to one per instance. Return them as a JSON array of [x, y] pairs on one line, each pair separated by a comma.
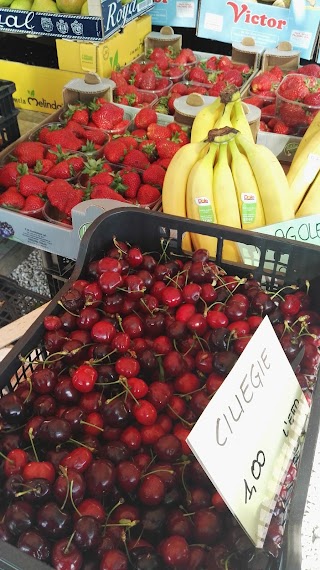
[[225, 111], [226, 179], [304, 172]]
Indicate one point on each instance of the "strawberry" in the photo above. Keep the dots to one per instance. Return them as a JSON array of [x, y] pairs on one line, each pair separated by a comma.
[[102, 178], [263, 82], [76, 129], [120, 128], [31, 185], [115, 151], [254, 100], [280, 128], [180, 88], [212, 62], [181, 59], [311, 69], [32, 205], [139, 133], [127, 182], [63, 137], [178, 135], [233, 77], [148, 81], [243, 68], [189, 54], [199, 75], [129, 141], [10, 172], [162, 104], [293, 88], [148, 194], [312, 99], [43, 166], [12, 199], [96, 136], [277, 72], [175, 73], [105, 115], [155, 132], [63, 195], [162, 85], [67, 168], [264, 127], [90, 148], [77, 113], [268, 110], [101, 191], [164, 162], [144, 118], [154, 175], [167, 148], [217, 89], [224, 63], [137, 159], [29, 152], [149, 148], [120, 81], [292, 114]]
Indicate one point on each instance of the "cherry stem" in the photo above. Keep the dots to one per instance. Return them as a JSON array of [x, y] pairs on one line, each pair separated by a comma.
[[180, 418], [277, 293], [72, 499], [65, 551], [164, 248], [26, 492], [30, 390], [31, 437], [115, 397], [67, 310], [120, 502], [116, 244], [71, 440], [91, 425], [5, 457], [119, 319], [157, 471]]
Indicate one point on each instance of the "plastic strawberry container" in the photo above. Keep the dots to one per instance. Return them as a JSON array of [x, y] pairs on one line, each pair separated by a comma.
[[295, 112], [282, 262], [159, 92], [145, 99]]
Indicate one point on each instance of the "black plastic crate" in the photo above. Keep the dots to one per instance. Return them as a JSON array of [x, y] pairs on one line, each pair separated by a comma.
[[9, 128], [16, 301], [282, 262]]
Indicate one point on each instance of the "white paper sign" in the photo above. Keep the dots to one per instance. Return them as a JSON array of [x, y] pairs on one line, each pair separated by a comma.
[[245, 437]]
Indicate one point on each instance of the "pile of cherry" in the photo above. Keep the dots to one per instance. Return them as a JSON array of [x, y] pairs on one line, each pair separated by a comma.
[[96, 473]]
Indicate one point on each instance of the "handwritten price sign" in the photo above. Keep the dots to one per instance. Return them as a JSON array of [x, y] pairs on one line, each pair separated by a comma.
[[245, 437]]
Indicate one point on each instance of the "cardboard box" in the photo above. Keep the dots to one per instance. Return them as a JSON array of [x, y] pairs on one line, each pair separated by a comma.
[[103, 57], [105, 18], [179, 13], [37, 88], [231, 20]]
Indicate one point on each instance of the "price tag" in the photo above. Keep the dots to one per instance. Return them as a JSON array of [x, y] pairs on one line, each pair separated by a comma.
[[245, 437]]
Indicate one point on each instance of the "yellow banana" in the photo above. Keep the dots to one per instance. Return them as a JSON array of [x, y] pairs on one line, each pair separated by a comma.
[[311, 131], [304, 169], [199, 198], [205, 120], [225, 200], [175, 183], [311, 202], [225, 118], [249, 199], [239, 120], [271, 179]]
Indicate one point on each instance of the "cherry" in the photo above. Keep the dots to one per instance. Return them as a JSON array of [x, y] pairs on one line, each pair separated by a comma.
[[151, 490], [51, 322], [214, 382], [43, 406], [53, 340], [108, 264], [121, 342], [153, 521], [31, 542], [207, 526], [114, 560], [223, 362], [63, 489], [91, 507], [168, 448], [171, 296], [154, 325], [134, 257], [191, 293], [290, 305], [103, 331], [182, 433], [99, 477], [10, 441], [116, 412], [127, 366], [254, 321], [112, 304], [54, 431], [187, 382], [138, 388], [12, 486], [39, 469], [240, 344], [175, 551], [127, 476], [197, 324], [145, 558], [78, 459], [53, 522], [173, 364], [87, 533], [15, 462], [92, 401], [131, 436], [185, 312], [68, 321], [72, 300], [12, 409], [19, 517], [65, 392], [65, 554], [148, 280], [178, 523], [218, 502], [159, 394], [262, 304], [217, 319], [84, 378], [38, 491], [197, 557], [144, 412], [177, 330], [150, 434]]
